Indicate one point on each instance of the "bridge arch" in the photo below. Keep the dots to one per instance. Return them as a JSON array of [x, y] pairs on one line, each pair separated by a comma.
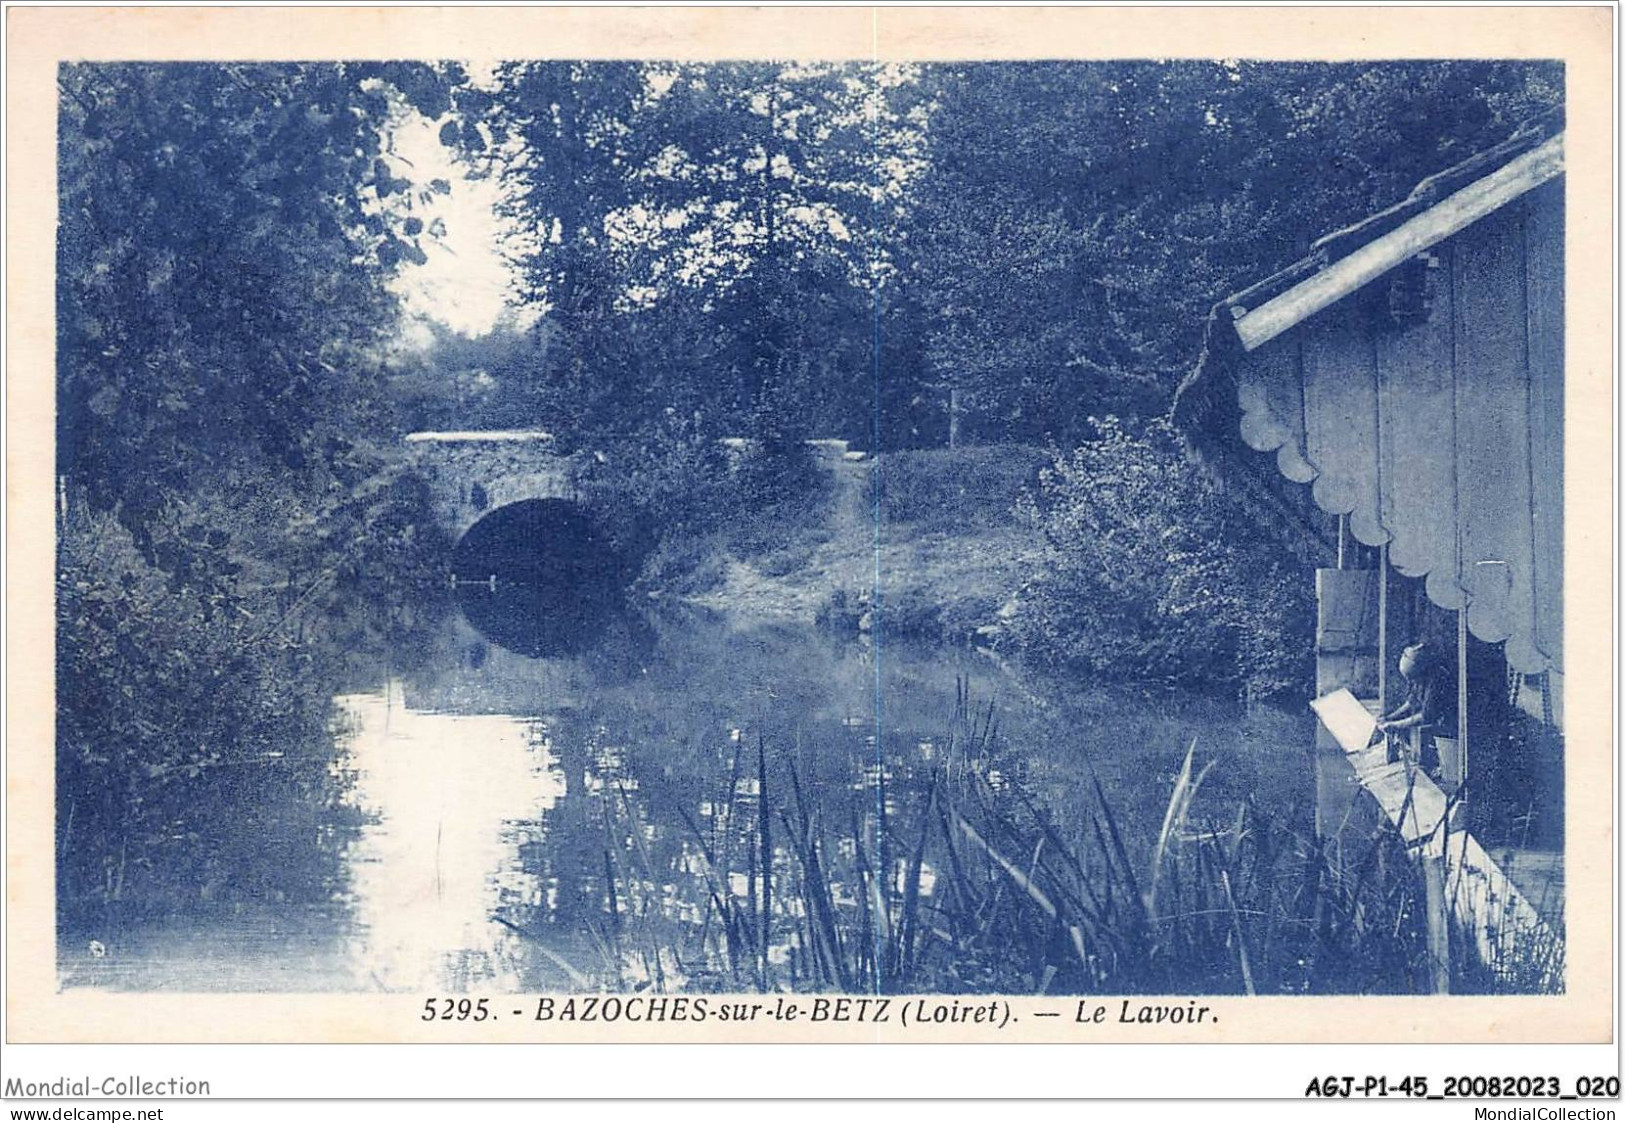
[[539, 576], [474, 472], [549, 540]]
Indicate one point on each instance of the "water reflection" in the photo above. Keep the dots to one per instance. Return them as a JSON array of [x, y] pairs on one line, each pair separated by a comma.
[[451, 796], [538, 577], [536, 620], [698, 805], [714, 808]]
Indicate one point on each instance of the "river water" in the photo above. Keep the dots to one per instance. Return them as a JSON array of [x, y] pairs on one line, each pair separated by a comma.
[[689, 802]]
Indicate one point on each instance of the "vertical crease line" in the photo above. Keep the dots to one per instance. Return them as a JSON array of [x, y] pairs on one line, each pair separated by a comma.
[[1532, 618], [875, 196], [1457, 266]]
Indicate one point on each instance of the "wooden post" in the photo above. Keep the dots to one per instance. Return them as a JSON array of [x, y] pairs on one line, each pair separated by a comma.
[[1461, 691], [1438, 920], [1345, 651], [1384, 704]]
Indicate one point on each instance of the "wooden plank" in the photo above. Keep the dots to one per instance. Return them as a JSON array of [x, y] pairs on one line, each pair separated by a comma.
[[1340, 418], [1346, 718], [1346, 630], [1538, 874], [1270, 391], [1463, 700], [1345, 726], [1342, 665], [1438, 923], [1416, 408], [1346, 610], [1494, 500], [1432, 226], [1543, 235], [1498, 920], [1399, 630], [1384, 655], [1335, 790]]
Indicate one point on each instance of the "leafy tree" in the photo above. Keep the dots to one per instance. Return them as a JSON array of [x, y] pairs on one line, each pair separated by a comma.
[[225, 234], [729, 202], [1077, 220]]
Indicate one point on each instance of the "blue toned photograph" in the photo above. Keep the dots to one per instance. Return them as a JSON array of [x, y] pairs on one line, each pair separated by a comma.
[[636, 528]]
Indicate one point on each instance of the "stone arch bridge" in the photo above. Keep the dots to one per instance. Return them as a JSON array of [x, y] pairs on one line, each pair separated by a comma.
[[474, 472]]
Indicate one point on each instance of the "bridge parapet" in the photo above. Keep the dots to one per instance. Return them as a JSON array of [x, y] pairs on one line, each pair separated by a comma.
[[474, 471]]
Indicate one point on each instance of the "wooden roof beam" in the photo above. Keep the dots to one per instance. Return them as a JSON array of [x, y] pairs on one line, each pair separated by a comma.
[[1258, 326]]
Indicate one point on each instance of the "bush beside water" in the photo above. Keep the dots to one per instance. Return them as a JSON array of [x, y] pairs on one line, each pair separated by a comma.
[[1153, 573], [1119, 560], [194, 754]]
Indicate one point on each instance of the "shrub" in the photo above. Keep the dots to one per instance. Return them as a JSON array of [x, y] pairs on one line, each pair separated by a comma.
[[664, 491], [683, 566], [772, 535], [776, 472], [911, 611], [193, 757], [1155, 573], [673, 479]]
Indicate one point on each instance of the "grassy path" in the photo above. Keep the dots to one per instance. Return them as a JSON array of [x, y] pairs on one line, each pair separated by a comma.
[[938, 573]]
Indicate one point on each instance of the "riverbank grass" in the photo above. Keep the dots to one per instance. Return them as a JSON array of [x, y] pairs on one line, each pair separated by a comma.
[[920, 543]]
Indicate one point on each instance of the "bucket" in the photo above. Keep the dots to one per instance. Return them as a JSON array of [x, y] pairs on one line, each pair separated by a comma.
[[1452, 766]]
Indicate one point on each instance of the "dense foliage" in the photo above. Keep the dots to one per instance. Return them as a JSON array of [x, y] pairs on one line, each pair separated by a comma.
[[706, 232], [900, 256], [1154, 573], [223, 459], [1078, 220], [976, 486], [908, 257], [850, 247], [224, 234]]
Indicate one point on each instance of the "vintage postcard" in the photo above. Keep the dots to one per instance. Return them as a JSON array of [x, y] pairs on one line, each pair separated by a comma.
[[845, 525]]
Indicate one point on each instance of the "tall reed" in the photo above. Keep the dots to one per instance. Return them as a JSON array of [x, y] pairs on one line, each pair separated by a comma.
[[964, 881]]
